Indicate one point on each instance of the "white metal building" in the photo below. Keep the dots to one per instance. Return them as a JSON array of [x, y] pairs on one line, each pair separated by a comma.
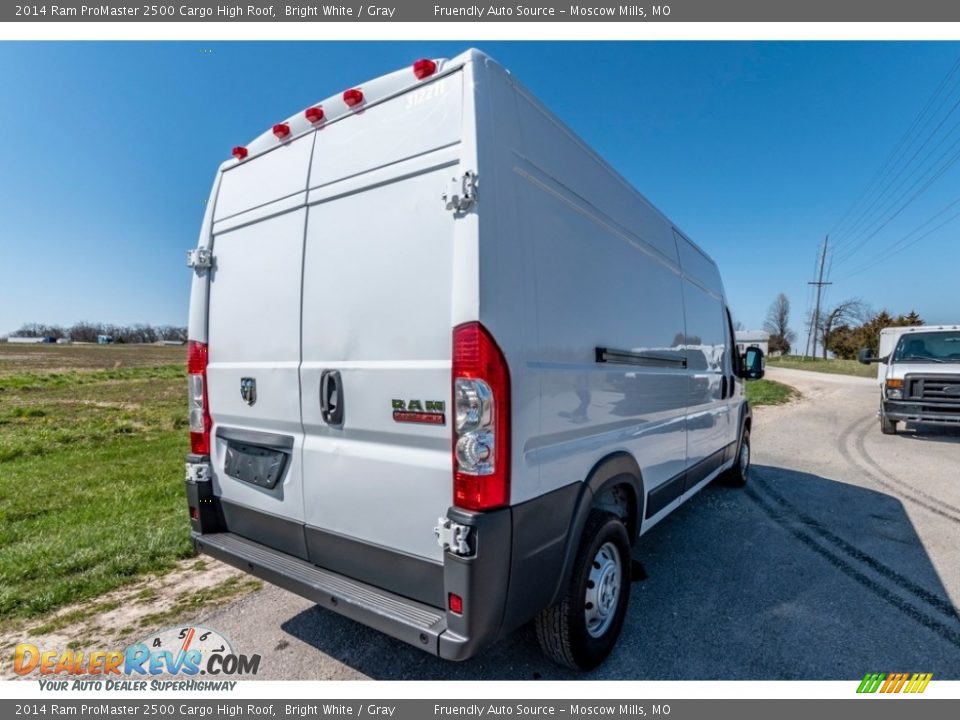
[[753, 338]]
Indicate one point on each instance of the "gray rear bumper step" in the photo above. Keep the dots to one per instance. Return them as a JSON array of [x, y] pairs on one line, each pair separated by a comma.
[[399, 617]]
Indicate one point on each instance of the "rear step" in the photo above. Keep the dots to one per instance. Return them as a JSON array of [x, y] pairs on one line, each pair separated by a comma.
[[407, 620]]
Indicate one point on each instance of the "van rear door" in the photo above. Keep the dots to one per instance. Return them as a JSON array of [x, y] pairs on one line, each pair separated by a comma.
[[254, 341], [377, 333]]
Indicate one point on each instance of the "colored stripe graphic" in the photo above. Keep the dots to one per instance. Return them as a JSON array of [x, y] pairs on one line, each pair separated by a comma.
[[894, 683]]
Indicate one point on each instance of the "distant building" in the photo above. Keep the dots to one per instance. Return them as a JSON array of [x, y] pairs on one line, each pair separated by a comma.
[[104, 339], [752, 338], [27, 340]]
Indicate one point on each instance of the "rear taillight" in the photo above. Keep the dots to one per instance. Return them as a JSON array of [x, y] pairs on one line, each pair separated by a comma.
[[197, 389], [481, 440]]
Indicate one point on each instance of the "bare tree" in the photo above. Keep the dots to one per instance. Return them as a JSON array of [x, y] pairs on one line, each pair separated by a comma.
[[852, 311], [778, 325]]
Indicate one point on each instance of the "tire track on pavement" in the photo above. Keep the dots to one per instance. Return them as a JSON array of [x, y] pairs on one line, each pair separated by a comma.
[[878, 475], [936, 602], [836, 560]]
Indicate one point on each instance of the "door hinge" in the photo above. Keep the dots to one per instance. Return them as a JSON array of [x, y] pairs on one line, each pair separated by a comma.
[[461, 192], [453, 536], [200, 258]]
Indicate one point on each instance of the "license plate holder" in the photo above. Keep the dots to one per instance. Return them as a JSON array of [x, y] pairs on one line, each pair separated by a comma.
[[254, 464]]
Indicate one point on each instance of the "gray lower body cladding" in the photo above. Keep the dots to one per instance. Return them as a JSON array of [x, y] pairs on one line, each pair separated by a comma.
[[513, 571]]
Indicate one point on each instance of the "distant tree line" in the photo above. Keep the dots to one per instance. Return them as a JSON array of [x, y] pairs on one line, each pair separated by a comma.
[[845, 339], [88, 332], [843, 328]]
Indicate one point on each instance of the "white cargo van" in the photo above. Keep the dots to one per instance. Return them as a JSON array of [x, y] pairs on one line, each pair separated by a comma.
[[446, 366], [918, 370]]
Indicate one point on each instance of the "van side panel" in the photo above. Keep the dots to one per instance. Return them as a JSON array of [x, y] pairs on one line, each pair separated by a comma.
[[507, 281], [606, 276]]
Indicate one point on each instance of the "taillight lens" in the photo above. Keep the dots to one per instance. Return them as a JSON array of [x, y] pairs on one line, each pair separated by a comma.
[[353, 97], [197, 396], [424, 68], [481, 440]]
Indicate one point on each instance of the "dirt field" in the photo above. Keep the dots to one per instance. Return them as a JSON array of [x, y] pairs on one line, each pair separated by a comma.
[[16, 358]]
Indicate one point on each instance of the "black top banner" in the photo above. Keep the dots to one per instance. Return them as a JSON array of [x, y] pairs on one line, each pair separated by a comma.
[[526, 11]]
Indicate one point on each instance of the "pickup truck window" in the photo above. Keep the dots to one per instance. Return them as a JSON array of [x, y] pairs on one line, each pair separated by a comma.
[[932, 347]]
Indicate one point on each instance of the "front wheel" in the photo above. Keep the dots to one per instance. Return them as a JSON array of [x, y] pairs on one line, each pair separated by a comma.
[[581, 629], [738, 475], [887, 426]]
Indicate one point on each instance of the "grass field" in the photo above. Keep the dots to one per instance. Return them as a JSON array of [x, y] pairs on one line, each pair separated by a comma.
[[769, 392], [92, 441], [837, 367]]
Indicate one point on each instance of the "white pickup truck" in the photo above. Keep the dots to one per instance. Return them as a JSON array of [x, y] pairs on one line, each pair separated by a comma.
[[919, 375]]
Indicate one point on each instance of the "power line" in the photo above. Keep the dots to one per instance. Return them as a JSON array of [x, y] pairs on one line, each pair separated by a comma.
[[893, 167], [940, 171], [900, 245]]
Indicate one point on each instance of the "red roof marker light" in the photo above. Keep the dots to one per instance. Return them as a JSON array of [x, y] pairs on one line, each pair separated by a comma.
[[240, 152], [314, 114], [424, 68], [281, 130], [352, 97]]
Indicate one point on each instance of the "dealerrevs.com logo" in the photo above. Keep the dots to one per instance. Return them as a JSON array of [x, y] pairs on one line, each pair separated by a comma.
[[911, 683], [183, 651]]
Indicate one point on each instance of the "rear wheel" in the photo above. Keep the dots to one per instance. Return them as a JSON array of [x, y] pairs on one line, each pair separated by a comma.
[[582, 628], [887, 426]]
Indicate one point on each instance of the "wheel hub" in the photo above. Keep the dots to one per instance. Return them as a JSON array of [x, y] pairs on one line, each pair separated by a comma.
[[603, 589]]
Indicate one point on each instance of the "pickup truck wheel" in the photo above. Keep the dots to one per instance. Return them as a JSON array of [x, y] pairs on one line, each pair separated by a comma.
[[738, 475], [581, 629], [887, 426]]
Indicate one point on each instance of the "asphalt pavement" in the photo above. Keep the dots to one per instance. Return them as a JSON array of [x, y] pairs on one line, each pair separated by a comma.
[[841, 557]]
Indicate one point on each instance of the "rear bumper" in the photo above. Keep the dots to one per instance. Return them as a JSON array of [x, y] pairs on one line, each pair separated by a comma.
[[367, 591], [915, 411], [404, 619]]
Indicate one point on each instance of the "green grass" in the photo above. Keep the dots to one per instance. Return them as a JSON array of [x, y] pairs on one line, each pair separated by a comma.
[[769, 392], [91, 488], [836, 367]]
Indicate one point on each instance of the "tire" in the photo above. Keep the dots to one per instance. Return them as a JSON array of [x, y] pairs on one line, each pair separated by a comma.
[[887, 427], [580, 630], [738, 475]]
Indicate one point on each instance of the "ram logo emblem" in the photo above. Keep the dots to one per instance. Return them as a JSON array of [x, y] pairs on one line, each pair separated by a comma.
[[248, 390]]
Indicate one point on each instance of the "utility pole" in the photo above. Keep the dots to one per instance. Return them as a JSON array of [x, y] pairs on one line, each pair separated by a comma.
[[816, 313]]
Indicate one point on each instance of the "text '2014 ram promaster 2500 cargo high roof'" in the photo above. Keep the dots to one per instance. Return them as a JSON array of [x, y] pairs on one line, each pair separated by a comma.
[[446, 366]]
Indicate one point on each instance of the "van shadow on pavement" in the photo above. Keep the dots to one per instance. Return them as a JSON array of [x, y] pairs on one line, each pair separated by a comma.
[[796, 577]]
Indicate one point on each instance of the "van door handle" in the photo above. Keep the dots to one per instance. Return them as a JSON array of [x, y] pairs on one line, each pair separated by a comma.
[[331, 397]]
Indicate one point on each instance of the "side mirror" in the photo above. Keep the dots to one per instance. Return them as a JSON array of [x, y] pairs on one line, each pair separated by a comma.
[[752, 364], [865, 357]]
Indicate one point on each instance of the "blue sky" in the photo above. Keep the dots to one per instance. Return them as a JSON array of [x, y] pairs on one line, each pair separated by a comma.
[[756, 150]]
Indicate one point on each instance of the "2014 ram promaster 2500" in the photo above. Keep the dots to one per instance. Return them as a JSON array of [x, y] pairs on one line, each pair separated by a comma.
[[446, 366]]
